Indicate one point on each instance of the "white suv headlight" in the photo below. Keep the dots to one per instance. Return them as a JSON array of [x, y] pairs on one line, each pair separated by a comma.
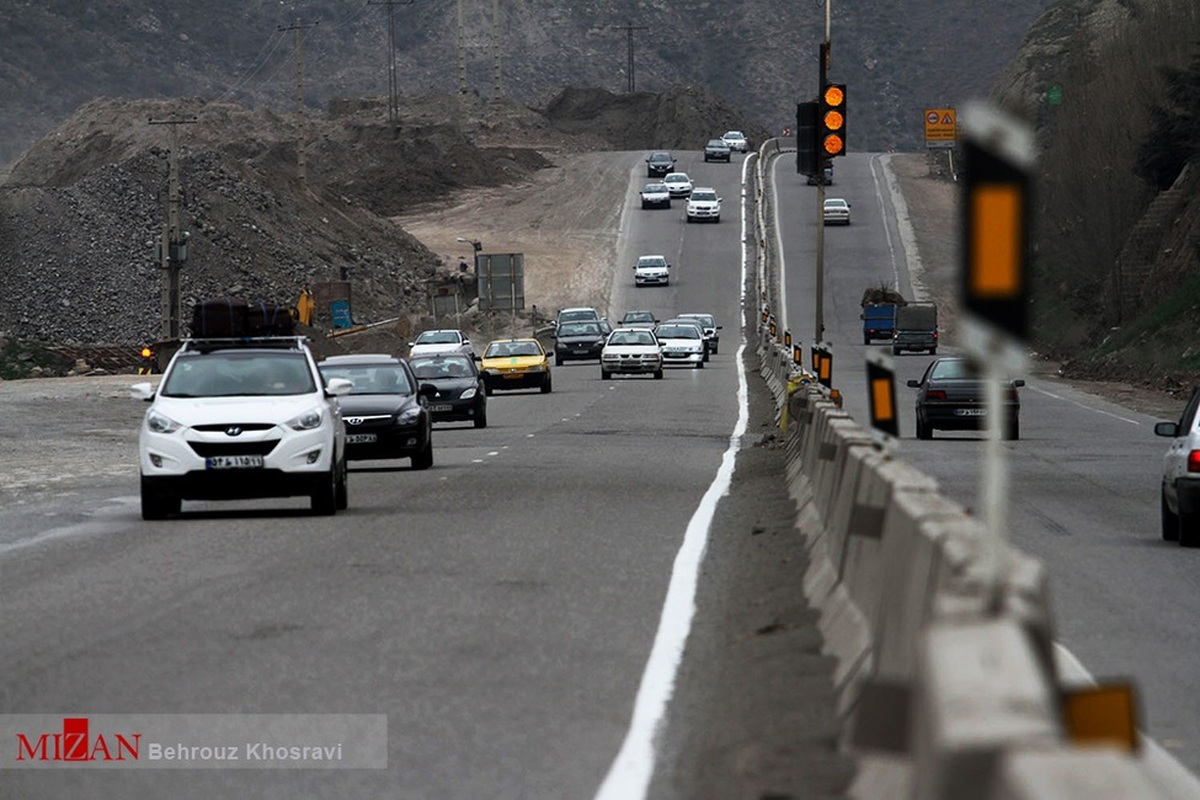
[[309, 420], [157, 422]]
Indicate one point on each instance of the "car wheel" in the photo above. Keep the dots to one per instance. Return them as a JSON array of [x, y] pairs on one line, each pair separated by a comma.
[[605, 375], [1013, 429], [558, 362], [158, 505], [1189, 530], [481, 417], [546, 385], [424, 458], [1170, 522], [323, 497], [343, 490], [700, 363], [923, 430], [866, 339], [714, 349], [487, 389], [658, 373], [716, 219]]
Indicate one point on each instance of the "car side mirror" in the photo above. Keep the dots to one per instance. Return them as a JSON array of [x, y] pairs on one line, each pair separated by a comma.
[[1018, 383], [427, 391], [1166, 429], [914, 384]]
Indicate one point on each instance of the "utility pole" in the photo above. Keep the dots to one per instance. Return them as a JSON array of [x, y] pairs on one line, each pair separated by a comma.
[[822, 162], [496, 93], [393, 94], [302, 140], [462, 51], [630, 83], [173, 247]]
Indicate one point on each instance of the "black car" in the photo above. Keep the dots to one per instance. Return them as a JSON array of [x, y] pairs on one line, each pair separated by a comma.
[[386, 412], [579, 341], [659, 164], [717, 150], [461, 395], [952, 395], [638, 319]]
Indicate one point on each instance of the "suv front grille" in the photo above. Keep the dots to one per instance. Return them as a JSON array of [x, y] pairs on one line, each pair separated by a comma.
[[206, 449]]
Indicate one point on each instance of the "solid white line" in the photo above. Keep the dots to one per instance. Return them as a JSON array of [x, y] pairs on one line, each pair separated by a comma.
[[1083, 405], [629, 775]]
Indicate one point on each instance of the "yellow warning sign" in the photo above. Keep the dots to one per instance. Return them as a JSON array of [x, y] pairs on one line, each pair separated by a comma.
[[941, 127]]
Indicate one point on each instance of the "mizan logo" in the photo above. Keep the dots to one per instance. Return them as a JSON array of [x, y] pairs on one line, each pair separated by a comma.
[[76, 743]]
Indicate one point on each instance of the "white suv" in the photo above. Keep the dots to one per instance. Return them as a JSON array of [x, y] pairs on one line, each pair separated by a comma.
[[1181, 476], [242, 418], [704, 205]]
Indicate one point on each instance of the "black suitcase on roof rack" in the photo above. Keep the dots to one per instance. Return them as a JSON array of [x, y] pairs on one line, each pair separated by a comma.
[[219, 318], [269, 319]]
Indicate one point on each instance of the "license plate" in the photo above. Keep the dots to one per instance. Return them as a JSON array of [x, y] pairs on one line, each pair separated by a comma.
[[514, 376], [970, 412], [442, 407], [360, 438], [233, 462], [581, 351]]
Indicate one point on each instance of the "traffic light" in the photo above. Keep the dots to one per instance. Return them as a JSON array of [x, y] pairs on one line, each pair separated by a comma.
[[831, 136], [807, 162]]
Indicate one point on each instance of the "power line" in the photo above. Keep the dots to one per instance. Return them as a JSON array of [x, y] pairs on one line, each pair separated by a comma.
[[631, 84], [393, 95]]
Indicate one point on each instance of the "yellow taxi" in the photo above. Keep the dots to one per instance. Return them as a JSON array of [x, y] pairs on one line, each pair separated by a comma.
[[515, 364]]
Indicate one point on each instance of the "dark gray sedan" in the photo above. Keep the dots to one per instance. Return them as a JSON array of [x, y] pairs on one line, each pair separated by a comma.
[[952, 395]]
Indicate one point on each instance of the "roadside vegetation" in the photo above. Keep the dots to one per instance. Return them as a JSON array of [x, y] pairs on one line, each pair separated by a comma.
[[1114, 89]]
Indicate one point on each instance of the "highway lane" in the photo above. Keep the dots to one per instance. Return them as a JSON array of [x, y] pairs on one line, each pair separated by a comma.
[[1084, 475], [499, 607]]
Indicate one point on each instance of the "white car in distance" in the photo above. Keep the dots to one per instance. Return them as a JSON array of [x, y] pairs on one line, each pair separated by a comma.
[[449, 340], [651, 271], [682, 344], [704, 205], [631, 351], [736, 141], [678, 184], [836, 211]]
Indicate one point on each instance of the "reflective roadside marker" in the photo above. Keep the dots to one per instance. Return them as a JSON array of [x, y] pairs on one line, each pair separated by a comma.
[[996, 254], [1104, 715], [881, 394], [998, 160]]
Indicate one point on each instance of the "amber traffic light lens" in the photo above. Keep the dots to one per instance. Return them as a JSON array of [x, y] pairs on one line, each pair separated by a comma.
[[834, 95], [834, 145]]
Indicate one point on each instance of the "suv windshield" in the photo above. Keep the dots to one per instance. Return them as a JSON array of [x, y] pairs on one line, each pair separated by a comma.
[[238, 372], [434, 368]]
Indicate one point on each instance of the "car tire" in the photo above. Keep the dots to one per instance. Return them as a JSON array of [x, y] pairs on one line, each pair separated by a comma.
[[342, 491], [1170, 521], [158, 505], [481, 417], [1012, 430], [546, 386], [487, 390], [558, 362], [605, 375], [424, 458], [1189, 530], [716, 219], [700, 363], [714, 349], [323, 497], [923, 430], [658, 373], [896, 351], [866, 339]]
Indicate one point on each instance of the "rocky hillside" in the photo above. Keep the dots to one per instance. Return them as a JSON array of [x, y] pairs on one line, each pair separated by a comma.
[[898, 57], [83, 210]]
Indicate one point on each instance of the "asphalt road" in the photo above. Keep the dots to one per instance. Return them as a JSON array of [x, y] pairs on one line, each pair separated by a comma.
[[500, 608], [1084, 476]]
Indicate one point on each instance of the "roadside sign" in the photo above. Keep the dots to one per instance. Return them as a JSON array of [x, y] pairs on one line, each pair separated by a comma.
[[941, 128]]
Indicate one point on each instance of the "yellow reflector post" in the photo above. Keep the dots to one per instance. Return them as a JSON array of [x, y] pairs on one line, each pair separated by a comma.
[[1102, 715], [881, 400], [996, 241]]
